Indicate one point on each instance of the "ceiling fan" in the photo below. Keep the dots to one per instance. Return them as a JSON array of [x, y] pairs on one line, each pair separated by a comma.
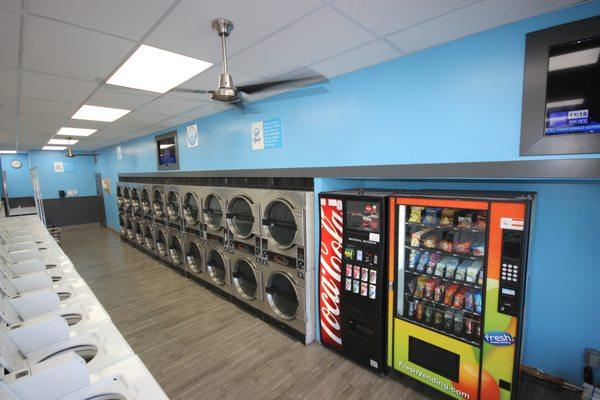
[[70, 153], [227, 92]]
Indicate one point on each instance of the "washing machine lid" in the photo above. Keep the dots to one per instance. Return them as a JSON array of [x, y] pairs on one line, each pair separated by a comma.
[[191, 208], [241, 215], [247, 279], [213, 211], [284, 297], [281, 223]]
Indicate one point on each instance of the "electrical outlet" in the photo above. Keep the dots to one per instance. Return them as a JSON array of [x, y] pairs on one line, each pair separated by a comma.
[[592, 358], [588, 390]]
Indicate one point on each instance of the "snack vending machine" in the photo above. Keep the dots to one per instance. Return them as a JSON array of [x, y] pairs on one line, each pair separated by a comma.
[[353, 275], [457, 278]]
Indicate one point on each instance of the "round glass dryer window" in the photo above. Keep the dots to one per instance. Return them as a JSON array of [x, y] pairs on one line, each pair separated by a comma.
[[241, 216], [281, 223], [148, 237], [161, 243], [157, 204], [126, 199], [122, 225], [282, 296], [129, 228], [194, 257], [119, 196], [216, 267], [135, 198], [245, 281], [214, 212], [175, 249], [173, 206], [190, 208], [145, 201], [137, 231]]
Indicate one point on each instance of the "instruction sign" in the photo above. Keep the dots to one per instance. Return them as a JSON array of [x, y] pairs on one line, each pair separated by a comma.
[[191, 135], [267, 134], [59, 166]]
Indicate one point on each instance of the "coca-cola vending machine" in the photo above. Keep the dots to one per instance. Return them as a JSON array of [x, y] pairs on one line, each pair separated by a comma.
[[353, 275]]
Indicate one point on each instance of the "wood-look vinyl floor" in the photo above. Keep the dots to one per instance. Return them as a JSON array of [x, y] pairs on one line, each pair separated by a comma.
[[199, 346]]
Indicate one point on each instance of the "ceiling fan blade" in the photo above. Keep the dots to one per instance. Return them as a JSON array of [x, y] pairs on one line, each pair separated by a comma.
[[184, 90], [283, 84]]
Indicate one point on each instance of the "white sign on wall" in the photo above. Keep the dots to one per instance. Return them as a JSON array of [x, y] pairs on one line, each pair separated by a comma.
[[59, 166], [119, 153], [191, 135], [257, 135]]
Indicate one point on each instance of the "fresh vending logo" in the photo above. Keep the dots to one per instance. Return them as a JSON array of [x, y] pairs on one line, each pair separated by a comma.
[[499, 338], [433, 379]]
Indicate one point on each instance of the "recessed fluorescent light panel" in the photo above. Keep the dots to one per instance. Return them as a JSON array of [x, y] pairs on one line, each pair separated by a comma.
[[8, 152], [54, 147], [62, 141], [574, 59], [64, 131], [156, 70], [96, 113]]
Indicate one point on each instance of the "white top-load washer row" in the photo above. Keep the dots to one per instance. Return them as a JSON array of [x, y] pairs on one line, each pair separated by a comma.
[[56, 339], [253, 246]]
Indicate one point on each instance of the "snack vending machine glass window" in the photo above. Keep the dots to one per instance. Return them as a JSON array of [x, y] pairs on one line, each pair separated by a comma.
[[457, 268], [353, 275]]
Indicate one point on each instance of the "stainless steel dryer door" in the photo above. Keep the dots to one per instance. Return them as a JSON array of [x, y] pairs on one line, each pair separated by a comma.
[[284, 225], [217, 266], [247, 279], [213, 212], [285, 298], [191, 209], [194, 255], [158, 205], [176, 249], [148, 237], [161, 243], [173, 206], [137, 232], [146, 202], [242, 217], [122, 228]]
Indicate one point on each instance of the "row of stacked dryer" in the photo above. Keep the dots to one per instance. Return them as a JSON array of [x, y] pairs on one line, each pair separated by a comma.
[[252, 246]]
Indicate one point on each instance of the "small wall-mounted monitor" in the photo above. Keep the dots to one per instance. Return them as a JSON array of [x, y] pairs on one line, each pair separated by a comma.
[[561, 96], [167, 153]]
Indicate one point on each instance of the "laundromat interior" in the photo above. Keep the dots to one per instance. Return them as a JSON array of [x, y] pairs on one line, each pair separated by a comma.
[[314, 199]]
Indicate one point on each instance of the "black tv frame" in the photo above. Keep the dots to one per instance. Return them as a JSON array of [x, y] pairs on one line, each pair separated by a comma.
[[533, 118], [174, 166]]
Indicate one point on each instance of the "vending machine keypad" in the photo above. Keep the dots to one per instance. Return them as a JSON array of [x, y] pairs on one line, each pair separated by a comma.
[[510, 272]]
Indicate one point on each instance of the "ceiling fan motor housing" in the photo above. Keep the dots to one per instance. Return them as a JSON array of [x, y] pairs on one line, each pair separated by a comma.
[[226, 91]]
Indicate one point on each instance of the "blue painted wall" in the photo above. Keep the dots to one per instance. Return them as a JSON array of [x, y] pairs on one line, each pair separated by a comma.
[[453, 103], [18, 180]]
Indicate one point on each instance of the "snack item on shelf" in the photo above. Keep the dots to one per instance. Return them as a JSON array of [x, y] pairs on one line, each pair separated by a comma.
[[450, 290], [480, 277], [461, 271], [413, 258], [478, 248], [430, 241], [469, 301], [463, 247], [479, 223], [430, 288], [438, 318], [431, 216], [441, 267], [469, 328], [451, 267], [459, 299], [420, 311], [415, 238], [448, 321], [458, 324], [477, 330], [465, 221], [415, 214], [433, 260], [423, 260], [438, 293], [411, 309], [473, 270], [411, 286], [446, 245], [428, 315], [478, 299], [421, 282], [448, 215]]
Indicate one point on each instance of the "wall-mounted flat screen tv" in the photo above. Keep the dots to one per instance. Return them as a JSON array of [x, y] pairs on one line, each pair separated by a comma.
[[561, 93], [166, 151]]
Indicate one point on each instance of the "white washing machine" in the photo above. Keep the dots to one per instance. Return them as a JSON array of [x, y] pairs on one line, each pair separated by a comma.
[[173, 207], [158, 204], [135, 197], [191, 208], [176, 248], [213, 212], [161, 237], [137, 225], [246, 278], [217, 265], [148, 231], [146, 202], [243, 216], [195, 259]]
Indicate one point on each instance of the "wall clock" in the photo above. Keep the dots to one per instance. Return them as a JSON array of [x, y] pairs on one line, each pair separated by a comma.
[[16, 164]]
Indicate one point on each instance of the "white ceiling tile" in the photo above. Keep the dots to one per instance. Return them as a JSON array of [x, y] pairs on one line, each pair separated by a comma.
[[121, 98], [8, 104], [315, 37], [475, 18], [129, 18], [175, 121], [14, 5], [51, 87], [388, 16], [173, 106], [47, 108], [9, 82], [56, 48], [136, 117], [369, 54], [10, 23], [187, 29]]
